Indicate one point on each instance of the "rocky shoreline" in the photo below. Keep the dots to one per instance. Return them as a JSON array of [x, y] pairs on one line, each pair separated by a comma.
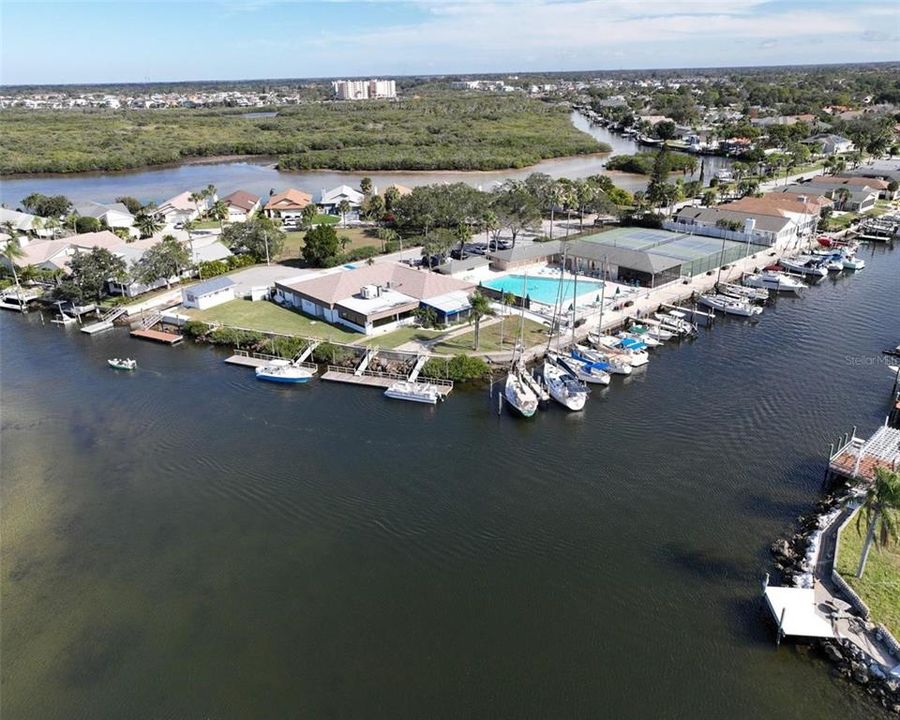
[[791, 554]]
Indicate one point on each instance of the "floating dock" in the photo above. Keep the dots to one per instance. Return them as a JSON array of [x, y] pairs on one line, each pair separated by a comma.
[[370, 378], [158, 336], [243, 358]]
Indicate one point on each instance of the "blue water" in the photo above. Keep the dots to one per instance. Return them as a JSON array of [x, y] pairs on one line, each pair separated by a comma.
[[542, 289]]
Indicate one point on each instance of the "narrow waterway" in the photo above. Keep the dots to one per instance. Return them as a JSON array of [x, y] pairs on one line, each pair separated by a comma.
[[159, 184], [187, 542]]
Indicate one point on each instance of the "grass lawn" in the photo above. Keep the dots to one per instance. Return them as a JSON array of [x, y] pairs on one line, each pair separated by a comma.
[[535, 334], [358, 238], [322, 219], [266, 316], [403, 335], [207, 225], [880, 584]]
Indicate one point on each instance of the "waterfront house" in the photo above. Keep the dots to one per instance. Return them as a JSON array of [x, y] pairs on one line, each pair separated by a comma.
[[736, 225], [46, 255], [209, 293], [852, 196], [24, 223], [330, 199], [375, 299], [114, 215], [288, 206], [829, 144], [241, 205], [182, 208]]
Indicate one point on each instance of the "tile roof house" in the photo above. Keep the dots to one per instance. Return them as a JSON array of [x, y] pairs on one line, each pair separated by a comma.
[[287, 204], [330, 199], [114, 214], [829, 143], [241, 205], [23, 223], [370, 299], [182, 209]]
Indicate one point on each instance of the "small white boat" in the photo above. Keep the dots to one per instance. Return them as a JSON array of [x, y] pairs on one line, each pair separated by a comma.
[[122, 363], [675, 321], [852, 262], [604, 360], [894, 369], [63, 319], [583, 369], [777, 281], [283, 371], [519, 395], [729, 305], [806, 265], [634, 352], [414, 391], [563, 387], [744, 292], [644, 337], [652, 328]]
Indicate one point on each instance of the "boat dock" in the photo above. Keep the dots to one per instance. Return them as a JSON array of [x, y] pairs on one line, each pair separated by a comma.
[[157, 336], [104, 323], [245, 358], [371, 378], [857, 457]]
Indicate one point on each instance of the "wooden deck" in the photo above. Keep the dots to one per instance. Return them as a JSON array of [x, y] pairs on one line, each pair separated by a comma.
[[383, 382], [158, 336], [859, 457]]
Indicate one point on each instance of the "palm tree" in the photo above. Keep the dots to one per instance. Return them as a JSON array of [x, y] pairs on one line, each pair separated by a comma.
[[197, 198], [147, 224], [480, 307], [343, 208], [554, 196], [365, 186], [12, 252], [189, 226], [842, 195], [387, 236], [308, 214], [219, 211], [879, 511]]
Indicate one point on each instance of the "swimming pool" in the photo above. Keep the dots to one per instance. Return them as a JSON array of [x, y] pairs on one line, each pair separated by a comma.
[[545, 289]]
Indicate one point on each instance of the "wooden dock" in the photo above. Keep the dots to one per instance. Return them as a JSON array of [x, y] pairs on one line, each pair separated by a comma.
[[371, 378], [158, 336], [858, 457], [244, 358]]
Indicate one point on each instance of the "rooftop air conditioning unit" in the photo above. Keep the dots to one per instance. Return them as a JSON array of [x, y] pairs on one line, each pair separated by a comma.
[[369, 291]]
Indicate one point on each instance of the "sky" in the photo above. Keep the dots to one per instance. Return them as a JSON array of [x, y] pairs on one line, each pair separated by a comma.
[[169, 40]]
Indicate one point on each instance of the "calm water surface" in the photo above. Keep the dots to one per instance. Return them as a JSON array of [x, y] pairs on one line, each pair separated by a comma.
[[186, 542], [159, 184]]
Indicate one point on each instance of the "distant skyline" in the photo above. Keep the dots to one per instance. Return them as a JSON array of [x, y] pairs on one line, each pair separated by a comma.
[[72, 42]]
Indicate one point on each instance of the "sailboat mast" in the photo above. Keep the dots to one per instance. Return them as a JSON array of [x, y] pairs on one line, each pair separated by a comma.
[[574, 297], [602, 297], [557, 308]]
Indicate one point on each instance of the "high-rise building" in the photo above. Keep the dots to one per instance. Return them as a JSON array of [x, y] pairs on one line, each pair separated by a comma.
[[364, 89]]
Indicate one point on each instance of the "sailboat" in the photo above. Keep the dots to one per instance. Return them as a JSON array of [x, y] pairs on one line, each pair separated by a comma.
[[518, 392], [630, 350], [605, 360], [774, 280], [587, 371], [729, 305], [563, 387]]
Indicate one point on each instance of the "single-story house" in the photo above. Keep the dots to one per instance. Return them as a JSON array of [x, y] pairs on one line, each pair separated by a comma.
[[330, 199], [181, 208], [859, 198], [829, 143], [24, 223], [288, 205], [209, 293], [853, 182], [374, 299], [46, 255], [241, 205], [114, 215]]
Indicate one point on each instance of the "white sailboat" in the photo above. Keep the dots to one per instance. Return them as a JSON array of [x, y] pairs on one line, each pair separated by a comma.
[[777, 281], [729, 305], [587, 371], [743, 292], [563, 387], [519, 395], [628, 350], [806, 265], [607, 361]]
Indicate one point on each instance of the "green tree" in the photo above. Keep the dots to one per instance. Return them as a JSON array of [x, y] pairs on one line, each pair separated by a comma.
[[147, 224], [47, 206], [372, 207], [879, 512], [91, 271], [389, 238], [12, 252], [343, 208], [480, 307], [320, 245], [516, 208], [365, 186], [308, 214], [391, 195], [656, 192], [87, 224], [219, 212], [165, 260], [259, 236], [133, 204]]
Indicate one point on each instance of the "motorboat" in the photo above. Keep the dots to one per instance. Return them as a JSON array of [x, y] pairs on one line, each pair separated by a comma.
[[806, 265], [563, 387], [283, 371], [607, 361], [676, 321], [743, 292], [777, 281], [851, 262], [587, 371], [729, 305], [519, 395], [644, 337], [632, 351], [122, 363], [414, 392], [652, 328]]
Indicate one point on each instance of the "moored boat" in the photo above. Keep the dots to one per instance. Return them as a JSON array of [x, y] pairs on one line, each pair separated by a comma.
[[806, 265], [774, 280], [519, 395], [283, 371], [604, 360], [729, 305], [563, 387], [414, 392], [632, 351], [743, 292], [587, 371]]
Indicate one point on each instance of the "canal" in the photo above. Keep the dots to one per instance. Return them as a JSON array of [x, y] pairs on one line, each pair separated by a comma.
[[187, 542]]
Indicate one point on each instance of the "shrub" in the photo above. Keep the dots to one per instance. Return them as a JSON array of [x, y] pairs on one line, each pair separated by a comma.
[[233, 336], [460, 368], [332, 354], [195, 328]]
